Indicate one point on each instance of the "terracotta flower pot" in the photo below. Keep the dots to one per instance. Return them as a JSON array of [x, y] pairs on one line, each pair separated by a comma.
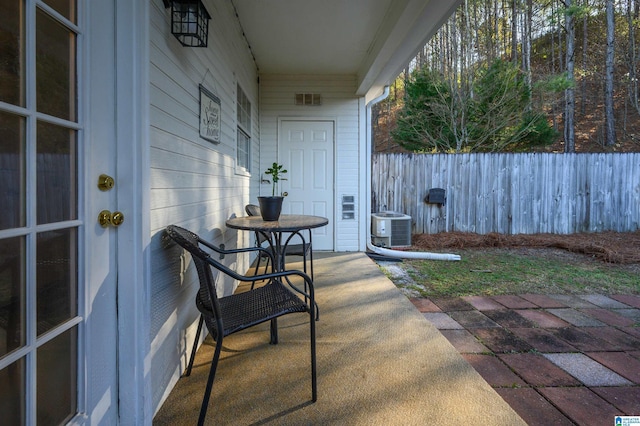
[[270, 207]]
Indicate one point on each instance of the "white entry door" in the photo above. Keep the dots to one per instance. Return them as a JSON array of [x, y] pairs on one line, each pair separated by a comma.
[[306, 149], [58, 323]]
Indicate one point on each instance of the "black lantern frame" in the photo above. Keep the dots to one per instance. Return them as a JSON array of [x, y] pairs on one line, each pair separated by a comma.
[[189, 22]]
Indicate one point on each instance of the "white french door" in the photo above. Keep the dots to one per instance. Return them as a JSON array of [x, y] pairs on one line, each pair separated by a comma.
[[58, 324], [306, 149]]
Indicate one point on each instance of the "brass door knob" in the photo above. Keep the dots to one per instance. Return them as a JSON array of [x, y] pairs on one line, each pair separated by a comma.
[[117, 218], [106, 218], [105, 182]]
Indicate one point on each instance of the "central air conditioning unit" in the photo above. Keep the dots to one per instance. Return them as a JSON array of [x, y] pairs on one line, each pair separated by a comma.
[[391, 229]]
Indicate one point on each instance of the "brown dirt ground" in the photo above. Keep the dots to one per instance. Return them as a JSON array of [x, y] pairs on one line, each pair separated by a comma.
[[609, 247]]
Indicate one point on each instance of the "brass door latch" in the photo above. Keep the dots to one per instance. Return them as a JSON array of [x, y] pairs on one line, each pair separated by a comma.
[[105, 182], [106, 218]]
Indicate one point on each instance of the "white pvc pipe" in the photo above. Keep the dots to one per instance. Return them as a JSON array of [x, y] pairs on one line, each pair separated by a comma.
[[370, 246], [412, 254]]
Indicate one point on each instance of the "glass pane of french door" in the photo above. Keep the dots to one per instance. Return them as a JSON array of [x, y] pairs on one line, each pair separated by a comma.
[[39, 226]]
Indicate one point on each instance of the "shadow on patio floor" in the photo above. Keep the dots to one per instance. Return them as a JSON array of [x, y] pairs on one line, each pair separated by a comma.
[[379, 362]]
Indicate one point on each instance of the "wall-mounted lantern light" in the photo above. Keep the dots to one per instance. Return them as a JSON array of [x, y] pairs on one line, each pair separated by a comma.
[[189, 22]]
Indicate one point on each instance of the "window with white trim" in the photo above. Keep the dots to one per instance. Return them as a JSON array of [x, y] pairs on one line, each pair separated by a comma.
[[243, 152]]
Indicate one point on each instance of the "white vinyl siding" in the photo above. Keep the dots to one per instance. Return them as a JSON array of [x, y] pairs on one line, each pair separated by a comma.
[[193, 182], [340, 104]]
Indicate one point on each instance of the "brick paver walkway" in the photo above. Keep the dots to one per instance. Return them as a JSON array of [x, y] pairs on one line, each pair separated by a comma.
[[557, 359]]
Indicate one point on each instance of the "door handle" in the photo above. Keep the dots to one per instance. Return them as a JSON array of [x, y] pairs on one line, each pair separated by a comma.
[[105, 182], [106, 218]]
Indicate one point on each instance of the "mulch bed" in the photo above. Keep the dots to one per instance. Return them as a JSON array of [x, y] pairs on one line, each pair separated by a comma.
[[611, 247]]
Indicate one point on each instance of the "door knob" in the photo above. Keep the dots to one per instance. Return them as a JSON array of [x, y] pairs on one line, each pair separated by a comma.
[[106, 218], [105, 182]]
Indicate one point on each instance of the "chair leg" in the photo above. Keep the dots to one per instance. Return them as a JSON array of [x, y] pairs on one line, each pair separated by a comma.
[[274, 332], [304, 266], [255, 272], [304, 262], [266, 266], [212, 375], [304, 269], [195, 346], [314, 377], [310, 254]]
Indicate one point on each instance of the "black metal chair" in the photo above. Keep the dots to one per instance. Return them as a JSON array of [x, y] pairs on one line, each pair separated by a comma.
[[230, 314], [261, 238], [303, 249]]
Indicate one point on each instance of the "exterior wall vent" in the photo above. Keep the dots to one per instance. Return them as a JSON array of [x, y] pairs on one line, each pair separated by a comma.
[[308, 99], [348, 207]]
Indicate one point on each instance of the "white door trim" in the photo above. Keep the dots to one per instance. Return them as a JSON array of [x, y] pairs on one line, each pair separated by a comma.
[[133, 236]]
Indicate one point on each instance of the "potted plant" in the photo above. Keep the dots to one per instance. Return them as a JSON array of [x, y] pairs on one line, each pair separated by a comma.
[[270, 207]]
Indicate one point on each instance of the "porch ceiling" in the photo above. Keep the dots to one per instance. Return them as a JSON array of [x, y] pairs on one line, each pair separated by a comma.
[[371, 39]]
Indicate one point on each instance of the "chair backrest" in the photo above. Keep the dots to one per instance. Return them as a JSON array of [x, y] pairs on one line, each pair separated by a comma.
[[254, 210], [207, 297]]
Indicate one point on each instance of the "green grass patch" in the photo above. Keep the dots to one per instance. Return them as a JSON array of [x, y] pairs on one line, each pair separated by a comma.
[[499, 271]]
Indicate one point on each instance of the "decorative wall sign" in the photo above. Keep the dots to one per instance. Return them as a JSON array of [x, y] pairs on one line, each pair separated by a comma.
[[210, 116]]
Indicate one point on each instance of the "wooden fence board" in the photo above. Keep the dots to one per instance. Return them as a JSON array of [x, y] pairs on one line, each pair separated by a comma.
[[512, 193]]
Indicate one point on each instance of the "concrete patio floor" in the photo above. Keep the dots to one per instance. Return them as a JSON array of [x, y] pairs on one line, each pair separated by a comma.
[[380, 362]]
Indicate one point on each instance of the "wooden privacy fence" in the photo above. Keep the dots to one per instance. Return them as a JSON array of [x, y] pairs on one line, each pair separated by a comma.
[[511, 193]]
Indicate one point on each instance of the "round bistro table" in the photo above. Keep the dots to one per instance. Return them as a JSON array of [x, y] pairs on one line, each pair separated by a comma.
[[287, 223]]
